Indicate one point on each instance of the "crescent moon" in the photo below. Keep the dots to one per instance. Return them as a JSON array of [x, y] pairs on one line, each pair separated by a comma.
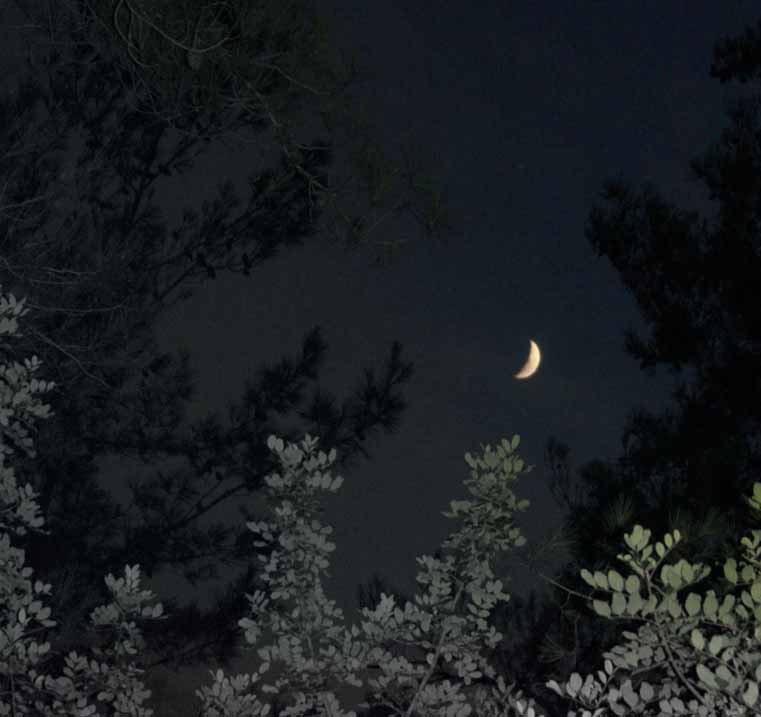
[[532, 362]]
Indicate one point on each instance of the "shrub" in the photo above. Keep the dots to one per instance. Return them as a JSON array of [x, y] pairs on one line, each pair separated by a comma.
[[716, 639]]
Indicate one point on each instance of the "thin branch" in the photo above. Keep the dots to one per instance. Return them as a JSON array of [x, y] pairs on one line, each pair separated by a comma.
[[72, 357], [176, 43], [67, 310]]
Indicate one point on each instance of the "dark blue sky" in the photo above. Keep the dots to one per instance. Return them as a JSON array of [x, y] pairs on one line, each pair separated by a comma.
[[524, 113], [524, 110]]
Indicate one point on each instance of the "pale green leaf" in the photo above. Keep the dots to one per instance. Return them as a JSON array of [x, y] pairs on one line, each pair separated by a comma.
[[692, 604], [615, 580], [697, 639]]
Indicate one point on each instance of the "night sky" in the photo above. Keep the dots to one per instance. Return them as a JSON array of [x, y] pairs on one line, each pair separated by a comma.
[[524, 109]]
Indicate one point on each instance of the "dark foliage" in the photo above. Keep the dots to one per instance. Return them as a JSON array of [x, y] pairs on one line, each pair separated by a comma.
[[84, 142], [696, 282]]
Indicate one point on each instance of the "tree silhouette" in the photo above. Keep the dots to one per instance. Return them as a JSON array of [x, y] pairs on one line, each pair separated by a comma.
[[82, 148], [695, 280], [263, 66]]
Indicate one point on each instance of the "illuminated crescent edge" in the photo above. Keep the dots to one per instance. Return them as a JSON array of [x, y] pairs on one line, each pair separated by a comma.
[[532, 363]]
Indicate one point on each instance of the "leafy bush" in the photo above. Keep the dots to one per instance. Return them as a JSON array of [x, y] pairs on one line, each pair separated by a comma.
[[715, 639]]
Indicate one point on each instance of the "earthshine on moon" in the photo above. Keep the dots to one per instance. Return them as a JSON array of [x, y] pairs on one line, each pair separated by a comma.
[[532, 363]]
